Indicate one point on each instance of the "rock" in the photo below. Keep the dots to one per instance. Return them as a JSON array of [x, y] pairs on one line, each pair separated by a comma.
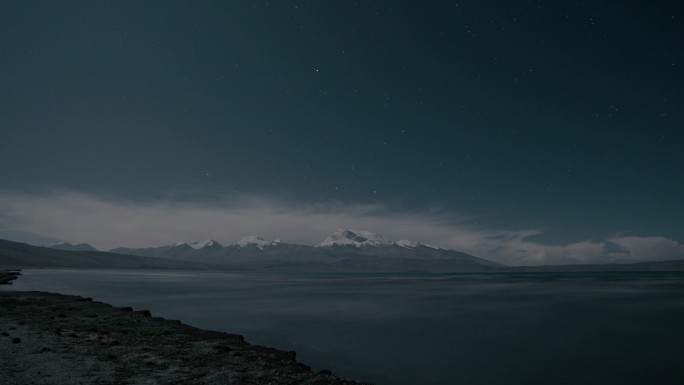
[[16, 340], [222, 348], [7, 276], [145, 313]]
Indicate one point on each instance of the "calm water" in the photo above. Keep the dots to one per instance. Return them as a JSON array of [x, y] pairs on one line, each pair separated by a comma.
[[424, 328]]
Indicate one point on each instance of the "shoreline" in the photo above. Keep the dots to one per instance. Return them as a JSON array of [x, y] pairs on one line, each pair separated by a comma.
[[9, 275], [51, 338]]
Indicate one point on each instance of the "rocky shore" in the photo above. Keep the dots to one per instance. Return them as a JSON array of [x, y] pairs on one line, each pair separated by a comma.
[[48, 338], [7, 276]]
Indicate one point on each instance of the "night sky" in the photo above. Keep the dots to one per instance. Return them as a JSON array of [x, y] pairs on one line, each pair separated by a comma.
[[539, 127]]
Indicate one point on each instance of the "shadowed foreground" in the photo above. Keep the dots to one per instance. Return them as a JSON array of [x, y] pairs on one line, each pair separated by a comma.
[[50, 338]]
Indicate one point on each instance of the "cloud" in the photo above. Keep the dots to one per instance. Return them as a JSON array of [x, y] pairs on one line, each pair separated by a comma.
[[517, 250], [108, 222], [646, 248]]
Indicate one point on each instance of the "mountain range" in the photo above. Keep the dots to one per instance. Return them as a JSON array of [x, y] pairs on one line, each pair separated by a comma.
[[22, 255], [344, 250]]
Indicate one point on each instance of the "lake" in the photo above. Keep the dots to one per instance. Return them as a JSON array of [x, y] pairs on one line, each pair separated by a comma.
[[571, 328]]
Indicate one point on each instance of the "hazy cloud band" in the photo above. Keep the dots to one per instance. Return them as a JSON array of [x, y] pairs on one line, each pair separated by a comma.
[[107, 222]]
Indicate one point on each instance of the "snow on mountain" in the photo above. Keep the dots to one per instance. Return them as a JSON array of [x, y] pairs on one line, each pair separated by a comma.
[[198, 245], [412, 245], [356, 238], [407, 244], [359, 238], [58, 244], [259, 242], [344, 250]]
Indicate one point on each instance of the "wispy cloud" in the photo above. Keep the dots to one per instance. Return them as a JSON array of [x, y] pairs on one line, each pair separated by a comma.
[[108, 222]]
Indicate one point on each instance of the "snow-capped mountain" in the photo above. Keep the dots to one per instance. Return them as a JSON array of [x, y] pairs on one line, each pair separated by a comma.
[[344, 250], [413, 244], [199, 245], [361, 238], [356, 238], [375, 248], [258, 242], [70, 247]]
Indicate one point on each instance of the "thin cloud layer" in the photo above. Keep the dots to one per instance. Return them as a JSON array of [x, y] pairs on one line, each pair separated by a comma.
[[107, 222]]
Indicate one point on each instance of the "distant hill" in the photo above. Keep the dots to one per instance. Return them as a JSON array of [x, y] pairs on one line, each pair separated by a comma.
[[21, 255], [69, 247]]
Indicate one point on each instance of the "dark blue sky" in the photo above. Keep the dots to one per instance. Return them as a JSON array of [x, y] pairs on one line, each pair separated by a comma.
[[560, 116]]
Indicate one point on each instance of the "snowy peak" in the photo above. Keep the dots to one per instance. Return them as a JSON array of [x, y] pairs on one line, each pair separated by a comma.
[[259, 242], [198, 245], [358, 238], [355, 238]]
